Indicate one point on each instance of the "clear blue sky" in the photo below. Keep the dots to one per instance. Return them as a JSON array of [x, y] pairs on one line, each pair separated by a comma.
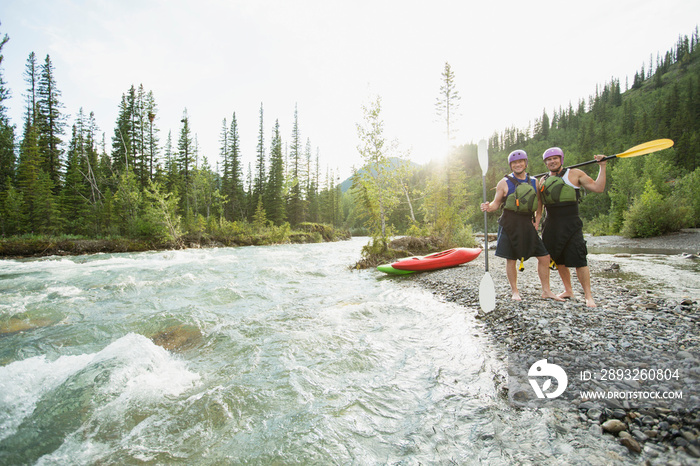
[[512, 60]]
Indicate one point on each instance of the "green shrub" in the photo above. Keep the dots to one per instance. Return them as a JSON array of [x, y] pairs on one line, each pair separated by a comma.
[[623, 182], [464, 237], [652, 214], [317, 237], [280, 234], [600, 225], [359, 231], [687, 192], [417, 230]]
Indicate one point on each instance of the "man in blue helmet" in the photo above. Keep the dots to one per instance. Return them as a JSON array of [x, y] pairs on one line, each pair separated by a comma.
[[562, 231], [517, 226]]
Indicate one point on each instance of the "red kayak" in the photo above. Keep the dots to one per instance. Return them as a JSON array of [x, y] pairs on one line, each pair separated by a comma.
[[438, 260]]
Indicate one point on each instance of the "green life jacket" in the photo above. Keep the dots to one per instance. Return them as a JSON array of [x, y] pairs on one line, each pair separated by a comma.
[[524, 199], [555, 191]]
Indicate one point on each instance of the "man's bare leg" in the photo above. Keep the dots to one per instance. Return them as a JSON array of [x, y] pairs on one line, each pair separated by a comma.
[[584, 277], [565, 276], [543, 272], [512, 275]]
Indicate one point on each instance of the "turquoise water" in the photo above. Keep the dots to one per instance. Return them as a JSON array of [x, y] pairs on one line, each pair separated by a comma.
[[264, 355]]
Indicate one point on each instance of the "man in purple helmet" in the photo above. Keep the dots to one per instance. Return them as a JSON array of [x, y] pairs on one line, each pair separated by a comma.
[[562, 232], [517, 226]]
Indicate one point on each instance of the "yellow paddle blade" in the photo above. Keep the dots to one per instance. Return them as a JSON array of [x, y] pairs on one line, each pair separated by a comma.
[[642, 149], [647, 148]]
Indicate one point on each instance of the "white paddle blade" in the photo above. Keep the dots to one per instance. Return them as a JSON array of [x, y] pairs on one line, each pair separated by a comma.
[[487, 294], [483, 154]]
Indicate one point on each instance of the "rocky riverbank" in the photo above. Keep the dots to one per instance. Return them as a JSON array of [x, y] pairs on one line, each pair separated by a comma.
[[632, 314]]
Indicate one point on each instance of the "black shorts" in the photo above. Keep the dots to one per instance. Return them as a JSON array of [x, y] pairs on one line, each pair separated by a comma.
[[504, 248], [574, 253], [563, 238]]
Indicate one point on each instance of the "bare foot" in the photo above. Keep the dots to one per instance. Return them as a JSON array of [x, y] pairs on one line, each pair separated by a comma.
[[590, 302], [550, 295], [516, 296], [566, 295]]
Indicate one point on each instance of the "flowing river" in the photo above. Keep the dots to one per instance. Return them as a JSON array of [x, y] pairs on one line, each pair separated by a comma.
[[263, 355]]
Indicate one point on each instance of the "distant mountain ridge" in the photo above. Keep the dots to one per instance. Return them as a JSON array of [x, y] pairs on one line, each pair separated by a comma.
[[347, 184]]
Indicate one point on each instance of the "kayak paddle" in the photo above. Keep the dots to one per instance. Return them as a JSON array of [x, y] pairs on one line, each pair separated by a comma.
[[487, 292], [641, 149]]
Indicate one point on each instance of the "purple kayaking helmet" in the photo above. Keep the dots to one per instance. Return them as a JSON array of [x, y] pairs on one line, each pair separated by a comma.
[[551, 152], [517, 155]]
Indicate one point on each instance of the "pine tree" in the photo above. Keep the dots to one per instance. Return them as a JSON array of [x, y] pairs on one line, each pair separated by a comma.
[[47, 219], [104, 173], [447, 103], [235, 192], [93, 173], [275, 183], [12, 214], [28, 170], [313, 191], [127, 204], [248, 200], [207, 199], [31, 77], [295, 199], [446, 107], [7, 132], [544, 125], [324, 200], [307, 178], [37, 190], [260, 174], [50, 123], [172, 178], [329, 200], [81, 198], [259, 217], [135, 140], [141, 163], [76, 191], [627, 118], [151, 138], [122, 143], [185, 159], [616, 95], [225, 155], [29, 165]]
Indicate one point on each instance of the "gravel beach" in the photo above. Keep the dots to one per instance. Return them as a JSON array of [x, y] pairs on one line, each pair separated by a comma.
[[635, 312]]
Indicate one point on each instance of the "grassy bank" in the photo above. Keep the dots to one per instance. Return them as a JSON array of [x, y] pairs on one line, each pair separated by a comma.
[[67, 245]]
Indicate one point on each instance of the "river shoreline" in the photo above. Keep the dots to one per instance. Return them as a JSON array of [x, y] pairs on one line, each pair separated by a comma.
[[43, 246], [632, 313]]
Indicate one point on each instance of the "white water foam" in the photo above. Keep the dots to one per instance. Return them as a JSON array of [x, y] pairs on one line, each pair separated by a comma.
[[140, 371], [22, 384], [145, 371]]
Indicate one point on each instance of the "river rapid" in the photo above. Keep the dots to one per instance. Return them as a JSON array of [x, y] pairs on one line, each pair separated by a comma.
[[262, 355]]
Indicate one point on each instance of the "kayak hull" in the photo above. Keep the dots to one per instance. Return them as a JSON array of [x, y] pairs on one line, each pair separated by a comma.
[[438, 260], [387, 268]]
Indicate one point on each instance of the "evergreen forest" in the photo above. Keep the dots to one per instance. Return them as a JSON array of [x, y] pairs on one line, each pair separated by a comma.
[[58, 177]]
